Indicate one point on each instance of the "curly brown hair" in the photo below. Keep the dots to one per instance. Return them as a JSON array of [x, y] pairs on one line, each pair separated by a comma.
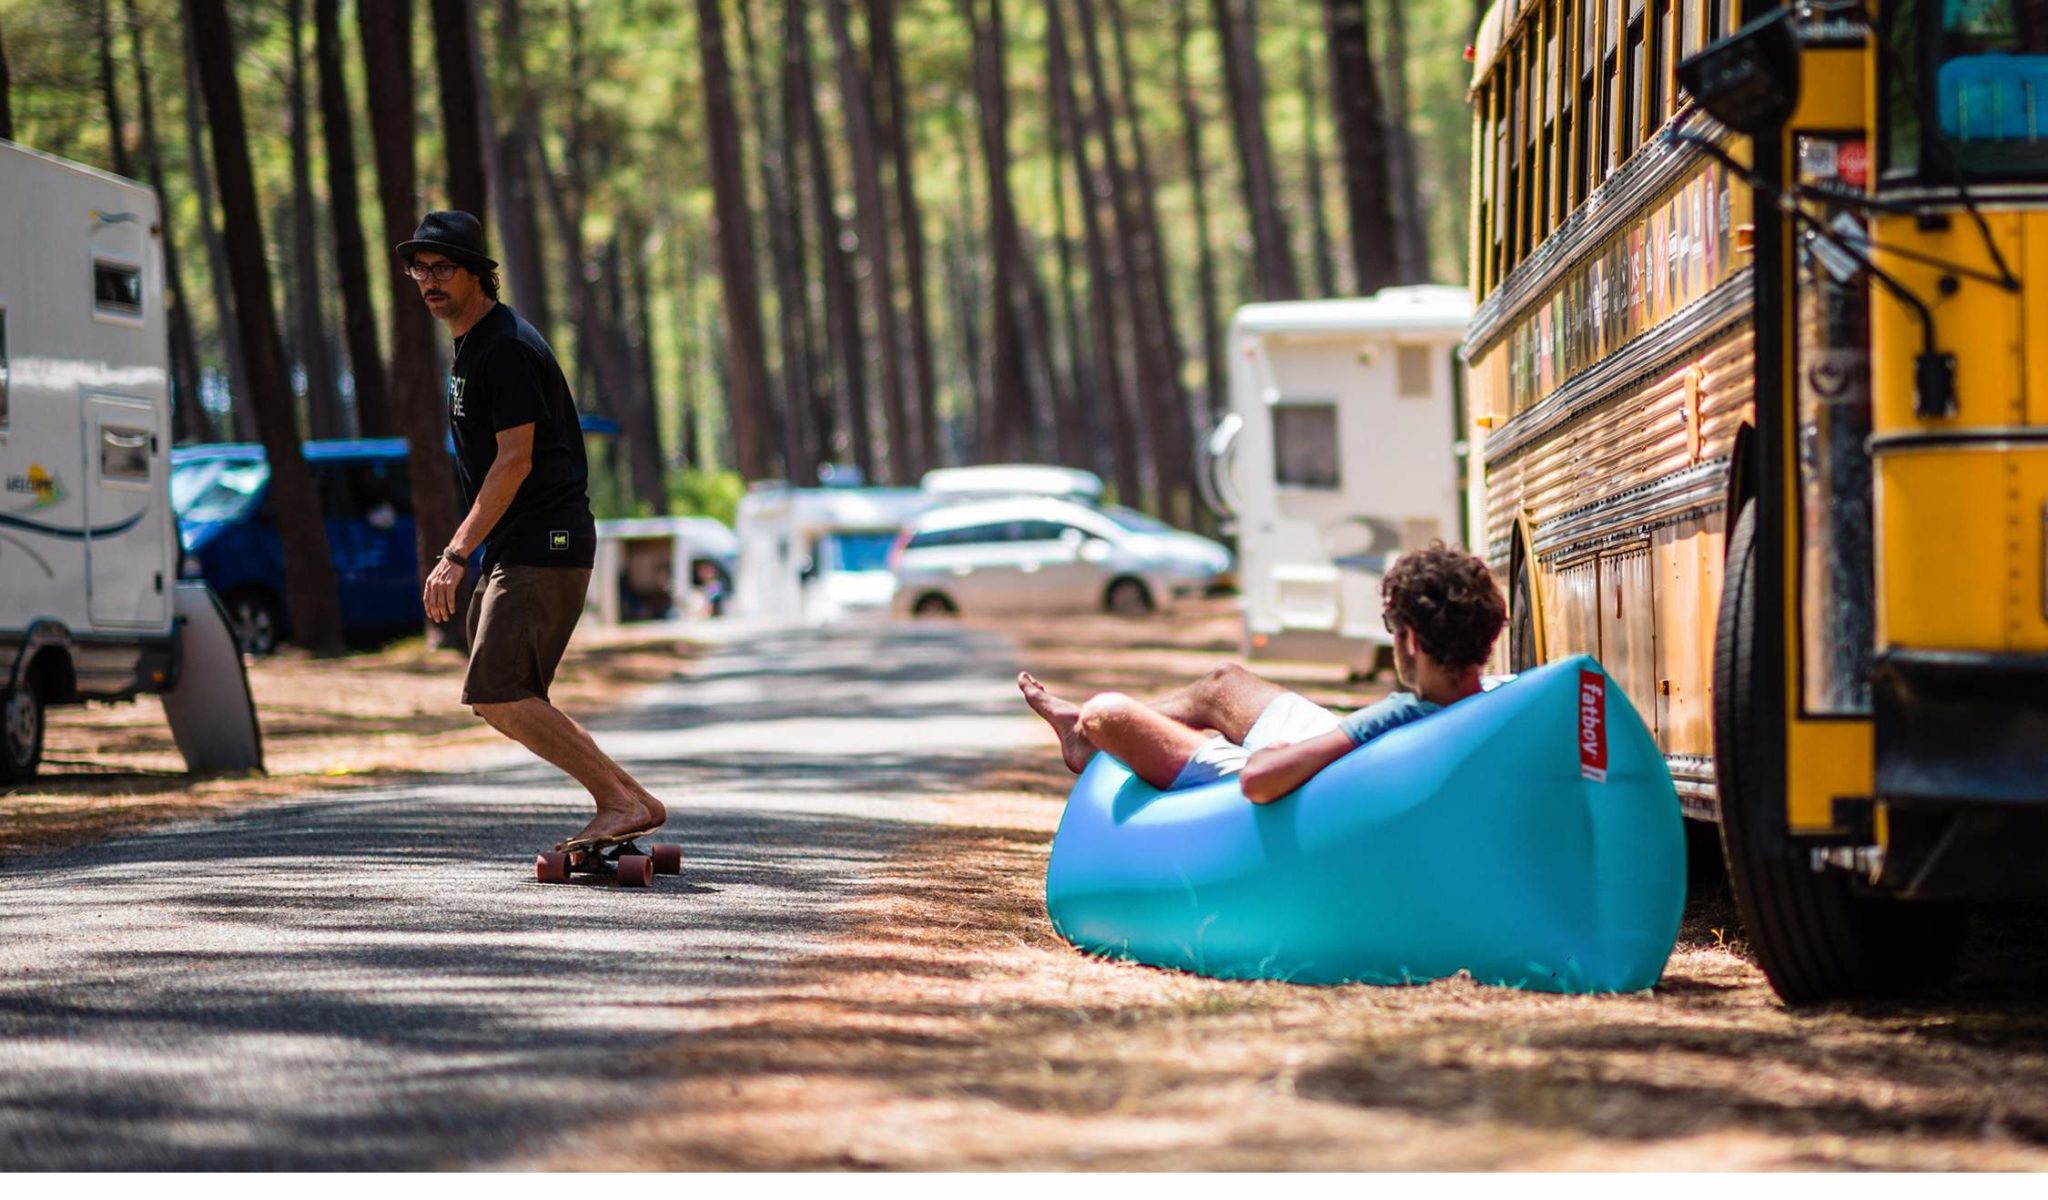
[[1449, 599]]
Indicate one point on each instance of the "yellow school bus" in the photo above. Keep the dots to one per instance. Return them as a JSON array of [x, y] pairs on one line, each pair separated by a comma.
[[1755, 423]]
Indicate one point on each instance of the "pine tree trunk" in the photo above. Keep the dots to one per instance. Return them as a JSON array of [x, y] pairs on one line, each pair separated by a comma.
[[888, 64], [1361, 132], [686, 373], [6, 95], [188, 416], [242, 418], [748, 358], [526, 281], [462, 130], [842, 298], [970, 294], [642, 430], [799, 458], [1192, 123], [1312, 172], [311, 597], [1079, 432], [823, 423], [1411, 223], [374, 417], [110, 94], [871, 211], [1179, 425], [1102, 269], [323, 397], [1159, 395], [1237, 33], [1006, 429], [418, 392]]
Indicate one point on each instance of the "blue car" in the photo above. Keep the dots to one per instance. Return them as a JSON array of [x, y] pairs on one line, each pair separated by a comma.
[[228, 529]]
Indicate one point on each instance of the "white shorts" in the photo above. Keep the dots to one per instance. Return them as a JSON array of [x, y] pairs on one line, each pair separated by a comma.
[[1289, 718]]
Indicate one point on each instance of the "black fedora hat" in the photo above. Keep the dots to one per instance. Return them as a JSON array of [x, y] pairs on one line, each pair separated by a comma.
[[454, 233]]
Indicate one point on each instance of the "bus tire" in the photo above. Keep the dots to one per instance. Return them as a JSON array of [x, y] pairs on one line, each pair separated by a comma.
[[1815, 937]]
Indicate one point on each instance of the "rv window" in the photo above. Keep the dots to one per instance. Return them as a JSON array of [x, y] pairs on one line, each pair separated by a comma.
[[3, 368], [124, 453], [1411, 372], [862, 550], [1305, 446], [116, 288]]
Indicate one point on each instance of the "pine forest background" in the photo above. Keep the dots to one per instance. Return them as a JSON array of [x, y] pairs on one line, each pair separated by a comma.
[[766, 235]]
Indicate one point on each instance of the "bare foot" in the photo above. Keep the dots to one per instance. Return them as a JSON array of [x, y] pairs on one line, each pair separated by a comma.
[[610, 822], [1062, 715]]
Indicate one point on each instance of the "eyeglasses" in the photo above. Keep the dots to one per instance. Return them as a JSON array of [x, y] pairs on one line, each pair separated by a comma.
[[440, 272]]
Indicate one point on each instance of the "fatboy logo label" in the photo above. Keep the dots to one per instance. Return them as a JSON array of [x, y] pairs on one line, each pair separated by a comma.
[[1593, 726]]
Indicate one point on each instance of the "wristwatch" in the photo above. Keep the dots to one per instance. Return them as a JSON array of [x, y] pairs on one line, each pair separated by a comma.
[[455, 556]]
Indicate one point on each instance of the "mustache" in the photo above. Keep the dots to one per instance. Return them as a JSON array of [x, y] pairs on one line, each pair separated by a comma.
[[437, 295]]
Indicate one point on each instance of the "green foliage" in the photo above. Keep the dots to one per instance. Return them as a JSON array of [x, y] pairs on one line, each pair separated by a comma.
[[693, 493]]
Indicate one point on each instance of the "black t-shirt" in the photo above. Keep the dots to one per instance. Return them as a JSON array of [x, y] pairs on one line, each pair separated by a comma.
[[505, 376]]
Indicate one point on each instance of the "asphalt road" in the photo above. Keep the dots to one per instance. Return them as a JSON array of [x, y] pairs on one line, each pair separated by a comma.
[[376, 982]]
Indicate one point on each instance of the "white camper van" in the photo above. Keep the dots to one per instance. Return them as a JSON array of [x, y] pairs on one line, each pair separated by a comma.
[[90, 607], [817, 555], [1337, 454]]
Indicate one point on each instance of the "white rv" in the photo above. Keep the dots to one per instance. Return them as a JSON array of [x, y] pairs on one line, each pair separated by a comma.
[[90, 607], [1338, 453], [817, 555], [647, 568]]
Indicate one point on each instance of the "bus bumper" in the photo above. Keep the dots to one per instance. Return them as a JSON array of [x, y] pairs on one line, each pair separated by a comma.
[[1962, 772]]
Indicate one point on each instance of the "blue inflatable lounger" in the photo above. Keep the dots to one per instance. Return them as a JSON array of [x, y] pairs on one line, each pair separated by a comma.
[[1529, 835]]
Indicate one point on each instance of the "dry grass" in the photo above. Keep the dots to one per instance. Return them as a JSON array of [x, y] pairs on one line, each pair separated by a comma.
[[948, 1028], [327, 723]]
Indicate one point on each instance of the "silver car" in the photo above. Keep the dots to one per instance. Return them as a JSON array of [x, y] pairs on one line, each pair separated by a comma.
[[1034, 554]]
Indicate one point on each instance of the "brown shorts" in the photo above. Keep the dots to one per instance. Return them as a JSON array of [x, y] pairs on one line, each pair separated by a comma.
[[520, 619]]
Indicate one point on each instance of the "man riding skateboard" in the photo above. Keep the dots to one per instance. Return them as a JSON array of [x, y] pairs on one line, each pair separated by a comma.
[[520, 467]]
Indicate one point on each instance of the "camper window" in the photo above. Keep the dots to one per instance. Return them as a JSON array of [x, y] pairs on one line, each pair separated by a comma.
[[3, 368], [124, 454], [1411, 372], [116, 288], [1305, 446]]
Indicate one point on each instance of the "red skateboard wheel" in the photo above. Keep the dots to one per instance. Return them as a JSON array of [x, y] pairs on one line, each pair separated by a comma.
[[668, 859], [635, 870], [551, 867]]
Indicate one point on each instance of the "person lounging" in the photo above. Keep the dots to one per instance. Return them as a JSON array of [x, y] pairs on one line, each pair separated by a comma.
[[1444, 612]]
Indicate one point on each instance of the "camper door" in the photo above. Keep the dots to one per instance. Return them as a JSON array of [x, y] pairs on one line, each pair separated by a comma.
[[127, 542]]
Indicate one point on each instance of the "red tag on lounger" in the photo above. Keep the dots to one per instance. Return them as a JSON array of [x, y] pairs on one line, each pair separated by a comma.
[[1593, 726]]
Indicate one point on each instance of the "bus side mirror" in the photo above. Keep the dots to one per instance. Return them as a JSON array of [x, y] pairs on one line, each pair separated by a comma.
[[1749, 80]]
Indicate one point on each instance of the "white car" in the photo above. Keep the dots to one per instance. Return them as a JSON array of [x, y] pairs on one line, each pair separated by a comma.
[[1036, 554]]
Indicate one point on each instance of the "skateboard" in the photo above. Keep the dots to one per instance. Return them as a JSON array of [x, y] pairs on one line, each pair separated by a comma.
[[621, 858]]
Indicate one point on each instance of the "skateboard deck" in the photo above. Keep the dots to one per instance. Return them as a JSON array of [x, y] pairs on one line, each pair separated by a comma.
[[621, 859]]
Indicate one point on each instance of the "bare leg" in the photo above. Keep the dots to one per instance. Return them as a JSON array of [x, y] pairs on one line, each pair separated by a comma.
[[1064, 716], [623, 806], [1153, 745], [1228, 700]]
